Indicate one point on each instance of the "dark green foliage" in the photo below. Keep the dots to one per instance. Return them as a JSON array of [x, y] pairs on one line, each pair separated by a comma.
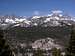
[[56, 52], [4, 47], [38, 52], [71, 47], [34, 33]]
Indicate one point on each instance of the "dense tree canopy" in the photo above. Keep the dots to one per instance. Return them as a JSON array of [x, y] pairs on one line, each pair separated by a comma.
[[71, 46], [4, 47]]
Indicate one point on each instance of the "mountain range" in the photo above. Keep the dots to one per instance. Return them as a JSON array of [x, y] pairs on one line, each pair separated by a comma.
[[55, 26], [56, 18]]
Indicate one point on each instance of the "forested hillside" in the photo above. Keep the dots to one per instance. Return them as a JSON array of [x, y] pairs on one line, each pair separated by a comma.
[[61, 34]]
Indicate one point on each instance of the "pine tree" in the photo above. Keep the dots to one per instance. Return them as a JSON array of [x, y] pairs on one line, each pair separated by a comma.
[[56, 52], [4, 47], [38, 53], [71, 48]]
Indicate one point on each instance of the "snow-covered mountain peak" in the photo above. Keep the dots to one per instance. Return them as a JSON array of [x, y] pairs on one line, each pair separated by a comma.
[[35, 17], [53, 19], [10, 21]]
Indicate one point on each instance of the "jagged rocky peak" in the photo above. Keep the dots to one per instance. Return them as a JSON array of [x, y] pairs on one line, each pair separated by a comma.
[[53, 19]]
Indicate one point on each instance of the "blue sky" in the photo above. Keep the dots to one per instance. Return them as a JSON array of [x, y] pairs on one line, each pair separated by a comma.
[[32, 7]]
